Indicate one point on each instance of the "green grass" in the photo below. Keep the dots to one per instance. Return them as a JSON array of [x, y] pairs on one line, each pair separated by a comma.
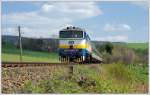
[[137, 45], [103, 78], [11, 53]]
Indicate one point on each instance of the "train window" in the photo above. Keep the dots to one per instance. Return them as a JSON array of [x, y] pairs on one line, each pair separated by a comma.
[[64, 34], [71, 34], [77, 34]]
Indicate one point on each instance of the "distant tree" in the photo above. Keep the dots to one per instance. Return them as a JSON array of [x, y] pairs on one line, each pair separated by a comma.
[[31, 44], [3, 41], [109, 47], [101, 48], [39, 44]]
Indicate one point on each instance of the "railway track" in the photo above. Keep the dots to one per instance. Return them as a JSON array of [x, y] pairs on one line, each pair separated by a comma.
[[29, 64]]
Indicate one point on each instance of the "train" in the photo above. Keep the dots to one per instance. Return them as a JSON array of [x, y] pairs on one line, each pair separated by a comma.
[[75, 46]]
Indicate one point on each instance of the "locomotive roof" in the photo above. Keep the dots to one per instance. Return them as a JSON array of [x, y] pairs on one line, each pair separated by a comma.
[[72, 28]]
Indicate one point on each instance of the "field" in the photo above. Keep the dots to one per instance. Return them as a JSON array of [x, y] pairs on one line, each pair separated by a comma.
[[11, 53], [115, 77], [137, 45]]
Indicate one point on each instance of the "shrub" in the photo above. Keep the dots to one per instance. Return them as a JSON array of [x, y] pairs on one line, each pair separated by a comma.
[[120, 72], [109, 48], [29, 87], [120, 54], [125, 55], [52, 86], [142, 56]]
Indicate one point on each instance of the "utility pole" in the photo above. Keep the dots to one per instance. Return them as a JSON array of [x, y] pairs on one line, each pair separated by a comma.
[[20, 44]]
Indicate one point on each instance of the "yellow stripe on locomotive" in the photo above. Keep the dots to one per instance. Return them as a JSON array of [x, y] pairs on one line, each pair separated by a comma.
[[78, 46]]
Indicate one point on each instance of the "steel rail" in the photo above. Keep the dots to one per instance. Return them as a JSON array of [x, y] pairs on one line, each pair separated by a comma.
[[29, 64]]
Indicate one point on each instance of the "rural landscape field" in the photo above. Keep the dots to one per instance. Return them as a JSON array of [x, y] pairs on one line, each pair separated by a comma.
[[126, 72], [75, 47]]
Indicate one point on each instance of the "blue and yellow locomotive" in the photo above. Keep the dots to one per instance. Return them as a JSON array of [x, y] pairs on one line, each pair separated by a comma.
[[75, 45]]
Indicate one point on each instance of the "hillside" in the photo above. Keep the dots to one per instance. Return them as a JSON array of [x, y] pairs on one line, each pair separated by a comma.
[[52, 44], [38, 44]]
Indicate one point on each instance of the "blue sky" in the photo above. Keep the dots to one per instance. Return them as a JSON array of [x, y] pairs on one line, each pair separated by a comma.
[[104, 21]]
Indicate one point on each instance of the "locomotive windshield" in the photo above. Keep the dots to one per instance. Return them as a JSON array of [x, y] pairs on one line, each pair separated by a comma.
[[71, 34]]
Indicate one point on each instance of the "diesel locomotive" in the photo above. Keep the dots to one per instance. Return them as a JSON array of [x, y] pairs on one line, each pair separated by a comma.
[[75, 46]]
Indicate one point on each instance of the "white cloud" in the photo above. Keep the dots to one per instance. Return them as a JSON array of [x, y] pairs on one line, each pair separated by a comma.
[[116, 27], [32, 24], [118, 38], [47, 7], [73, 10], [50, 18]]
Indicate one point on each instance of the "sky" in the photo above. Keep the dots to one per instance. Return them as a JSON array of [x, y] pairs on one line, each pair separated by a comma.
[[104, 21]]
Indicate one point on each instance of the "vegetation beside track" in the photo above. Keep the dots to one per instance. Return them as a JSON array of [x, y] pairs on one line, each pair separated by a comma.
[[125, 71], [11, 54], [102, 78]]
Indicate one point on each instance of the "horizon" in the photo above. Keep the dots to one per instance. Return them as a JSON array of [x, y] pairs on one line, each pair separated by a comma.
[[58, 38]]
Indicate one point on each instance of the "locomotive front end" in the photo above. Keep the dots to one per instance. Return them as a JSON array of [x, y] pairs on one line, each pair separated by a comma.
[[72, 45]]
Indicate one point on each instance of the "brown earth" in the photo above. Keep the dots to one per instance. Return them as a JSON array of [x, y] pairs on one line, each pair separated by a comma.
[[13, 79]]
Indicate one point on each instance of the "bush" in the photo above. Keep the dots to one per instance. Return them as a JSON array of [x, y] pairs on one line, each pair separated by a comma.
[[29, 87], [126, 55], [109, 48], [120, 54], [142, 56], [52, 86], [120, 72]]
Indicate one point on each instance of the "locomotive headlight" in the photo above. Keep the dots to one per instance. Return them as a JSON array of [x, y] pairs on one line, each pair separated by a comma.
[[83, 42]]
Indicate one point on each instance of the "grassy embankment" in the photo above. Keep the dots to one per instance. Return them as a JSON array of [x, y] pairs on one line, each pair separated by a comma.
[[103, 78], [11, 53], [106, 78]]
